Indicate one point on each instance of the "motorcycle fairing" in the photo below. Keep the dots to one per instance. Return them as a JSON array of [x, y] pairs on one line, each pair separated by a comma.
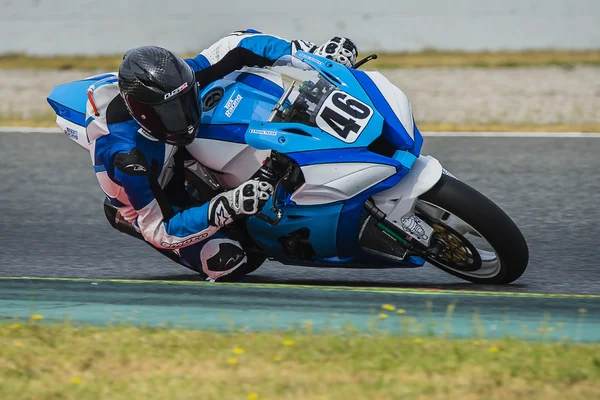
[[69, 102], [337, 198]]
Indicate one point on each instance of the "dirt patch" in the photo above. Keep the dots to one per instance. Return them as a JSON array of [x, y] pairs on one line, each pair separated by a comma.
[[545, 95]]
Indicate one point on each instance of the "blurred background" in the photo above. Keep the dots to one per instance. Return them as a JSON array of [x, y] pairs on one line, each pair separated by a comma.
[[112, 26], [465, 64]]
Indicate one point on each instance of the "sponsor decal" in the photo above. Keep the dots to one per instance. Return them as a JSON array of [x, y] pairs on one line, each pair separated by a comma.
[[263, 132], [232, 104], [302, 55], [71, 133], [136, 167], [413, 226], [174, 92], [186, 242]]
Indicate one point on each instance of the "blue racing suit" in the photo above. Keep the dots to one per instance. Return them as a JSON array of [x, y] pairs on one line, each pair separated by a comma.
[[115, 136]]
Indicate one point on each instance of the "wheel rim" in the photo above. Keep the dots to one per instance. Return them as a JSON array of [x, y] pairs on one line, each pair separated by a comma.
[[489, 265]]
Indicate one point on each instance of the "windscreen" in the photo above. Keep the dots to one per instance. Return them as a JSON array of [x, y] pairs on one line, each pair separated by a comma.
[[310, 89]]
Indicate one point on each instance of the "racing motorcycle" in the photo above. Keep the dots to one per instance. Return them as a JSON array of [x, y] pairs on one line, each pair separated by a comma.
[[352, 189]]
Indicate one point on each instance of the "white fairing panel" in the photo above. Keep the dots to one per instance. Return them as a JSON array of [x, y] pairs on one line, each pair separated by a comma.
[[328, 183], [396, 99], [74, 132], [400, 200], [234, 163]]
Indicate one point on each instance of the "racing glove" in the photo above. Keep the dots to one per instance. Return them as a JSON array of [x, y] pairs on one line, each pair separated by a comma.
[[247, 199], [340, 49]]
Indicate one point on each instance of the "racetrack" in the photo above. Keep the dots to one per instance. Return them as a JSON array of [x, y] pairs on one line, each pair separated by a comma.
[[54, 226]]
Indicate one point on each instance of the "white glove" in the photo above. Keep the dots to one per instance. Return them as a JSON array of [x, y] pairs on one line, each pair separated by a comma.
[[247, 199], [339, 49]]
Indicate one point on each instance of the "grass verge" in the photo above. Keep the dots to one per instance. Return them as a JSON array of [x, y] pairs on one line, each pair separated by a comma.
[[67, 362], [419, 59]]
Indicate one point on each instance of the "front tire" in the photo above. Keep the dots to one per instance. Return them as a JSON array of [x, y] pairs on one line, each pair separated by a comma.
[[491, 241]]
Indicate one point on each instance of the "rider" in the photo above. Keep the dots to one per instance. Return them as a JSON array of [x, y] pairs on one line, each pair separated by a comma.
[[137, 120]]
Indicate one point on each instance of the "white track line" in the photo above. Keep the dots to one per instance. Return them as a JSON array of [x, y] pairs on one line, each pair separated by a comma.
[[513, 134], [24, 129], [28, 129]]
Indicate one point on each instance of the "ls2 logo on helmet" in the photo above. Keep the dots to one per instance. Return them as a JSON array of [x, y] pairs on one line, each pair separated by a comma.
[[174, 92]]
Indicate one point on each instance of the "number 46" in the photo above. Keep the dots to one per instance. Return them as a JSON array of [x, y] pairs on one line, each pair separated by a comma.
[[343, 115]]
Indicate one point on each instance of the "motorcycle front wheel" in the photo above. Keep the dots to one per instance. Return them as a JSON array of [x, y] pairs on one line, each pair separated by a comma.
[[473, 238]]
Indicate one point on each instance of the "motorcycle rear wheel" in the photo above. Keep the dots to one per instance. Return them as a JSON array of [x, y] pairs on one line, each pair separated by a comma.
[[475, 239]]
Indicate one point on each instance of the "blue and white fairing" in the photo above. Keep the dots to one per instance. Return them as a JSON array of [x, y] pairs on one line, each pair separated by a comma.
[[351, 132], [69, 103]]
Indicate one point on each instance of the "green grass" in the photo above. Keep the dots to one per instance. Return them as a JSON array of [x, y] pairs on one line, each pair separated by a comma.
[[38, 119], [39, 361], [419, 59]]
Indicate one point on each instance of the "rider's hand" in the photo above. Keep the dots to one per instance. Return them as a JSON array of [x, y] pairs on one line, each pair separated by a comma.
[[339, 49], [247, 199]]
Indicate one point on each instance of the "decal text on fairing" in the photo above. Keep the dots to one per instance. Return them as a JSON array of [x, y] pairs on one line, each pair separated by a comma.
[[232, 104], [263, 132]]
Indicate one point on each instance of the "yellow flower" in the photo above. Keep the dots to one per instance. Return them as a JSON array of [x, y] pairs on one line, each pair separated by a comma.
[[582, 310], [37, 317], [383, 315], [233, 361], [388, 307], [238, 350], [401, 311], [277, 358], [15, 326], [19, 344], [76, 380], [252, 396], [476, 342], [288, 342], [494, 349], [418, 340]]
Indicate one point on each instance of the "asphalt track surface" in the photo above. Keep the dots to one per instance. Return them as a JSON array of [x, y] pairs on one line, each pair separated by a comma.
[[53, 224]]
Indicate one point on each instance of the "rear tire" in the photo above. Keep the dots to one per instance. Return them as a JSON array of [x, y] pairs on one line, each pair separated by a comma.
[[489, 221]]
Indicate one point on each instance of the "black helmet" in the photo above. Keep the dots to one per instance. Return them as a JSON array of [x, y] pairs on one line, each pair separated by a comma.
[[161, 94]]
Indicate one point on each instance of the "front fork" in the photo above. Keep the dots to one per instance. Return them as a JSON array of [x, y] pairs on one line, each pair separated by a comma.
[[418, 243], [394, 209]]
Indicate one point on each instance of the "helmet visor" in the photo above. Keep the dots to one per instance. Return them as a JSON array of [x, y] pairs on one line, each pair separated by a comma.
[[175, 121]]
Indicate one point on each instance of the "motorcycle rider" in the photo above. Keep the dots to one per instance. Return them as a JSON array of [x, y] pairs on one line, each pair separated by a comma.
[[136, 122]]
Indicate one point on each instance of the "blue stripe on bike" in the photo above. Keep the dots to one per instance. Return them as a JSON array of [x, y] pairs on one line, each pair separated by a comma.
[[418, 142], [350, 154], [260, 83], [67, 113], [393, 130], [351, 216]]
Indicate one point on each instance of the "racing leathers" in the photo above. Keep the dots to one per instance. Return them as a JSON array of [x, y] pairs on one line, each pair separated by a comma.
[[133, 168]]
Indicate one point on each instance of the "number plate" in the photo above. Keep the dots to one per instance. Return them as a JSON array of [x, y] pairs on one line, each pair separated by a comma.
[[343, 116]]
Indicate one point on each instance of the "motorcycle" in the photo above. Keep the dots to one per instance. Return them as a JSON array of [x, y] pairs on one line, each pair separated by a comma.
[[352, 189]]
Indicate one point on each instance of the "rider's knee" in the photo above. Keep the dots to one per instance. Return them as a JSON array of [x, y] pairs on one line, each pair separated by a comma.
[[221, 257]]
